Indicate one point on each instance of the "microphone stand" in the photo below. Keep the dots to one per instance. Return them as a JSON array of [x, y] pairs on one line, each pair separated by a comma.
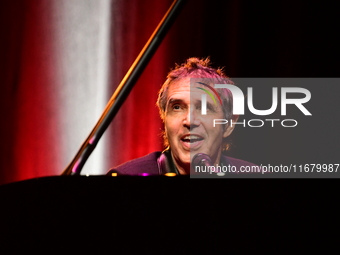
[[123, 89]]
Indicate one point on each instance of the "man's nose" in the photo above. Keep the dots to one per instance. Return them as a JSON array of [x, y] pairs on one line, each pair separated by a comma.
[[192, 119]]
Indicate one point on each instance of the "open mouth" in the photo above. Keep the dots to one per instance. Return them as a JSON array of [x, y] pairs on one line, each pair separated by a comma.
[[191, 139]]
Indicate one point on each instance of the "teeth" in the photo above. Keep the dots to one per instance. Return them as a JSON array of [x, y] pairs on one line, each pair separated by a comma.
[[190, 137]]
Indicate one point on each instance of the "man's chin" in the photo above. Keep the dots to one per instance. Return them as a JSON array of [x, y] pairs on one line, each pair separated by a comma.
[[185, 161], [194, 152]]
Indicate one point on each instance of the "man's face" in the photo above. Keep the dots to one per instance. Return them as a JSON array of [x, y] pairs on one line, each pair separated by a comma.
[[188, 131]]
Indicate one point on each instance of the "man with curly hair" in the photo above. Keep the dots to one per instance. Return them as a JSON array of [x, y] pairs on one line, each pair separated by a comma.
[[186, 131]]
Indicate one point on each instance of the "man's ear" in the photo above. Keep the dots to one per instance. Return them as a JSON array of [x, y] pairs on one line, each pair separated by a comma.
[[230, 128]]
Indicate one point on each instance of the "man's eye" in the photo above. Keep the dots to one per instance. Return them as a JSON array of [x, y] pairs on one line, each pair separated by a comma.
[[176, 107], [211, 108]]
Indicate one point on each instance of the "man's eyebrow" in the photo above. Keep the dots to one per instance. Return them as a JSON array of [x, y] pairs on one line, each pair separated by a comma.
[[174, 100], [209, 105]]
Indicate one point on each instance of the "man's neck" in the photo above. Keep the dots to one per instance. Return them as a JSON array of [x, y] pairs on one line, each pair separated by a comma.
[[183, 169]]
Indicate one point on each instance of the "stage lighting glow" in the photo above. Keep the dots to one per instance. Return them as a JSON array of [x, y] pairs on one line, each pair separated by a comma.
[[170, 174]]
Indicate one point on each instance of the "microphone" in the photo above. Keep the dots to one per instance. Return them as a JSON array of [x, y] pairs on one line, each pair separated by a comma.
[[201, 159], [202, 163]]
